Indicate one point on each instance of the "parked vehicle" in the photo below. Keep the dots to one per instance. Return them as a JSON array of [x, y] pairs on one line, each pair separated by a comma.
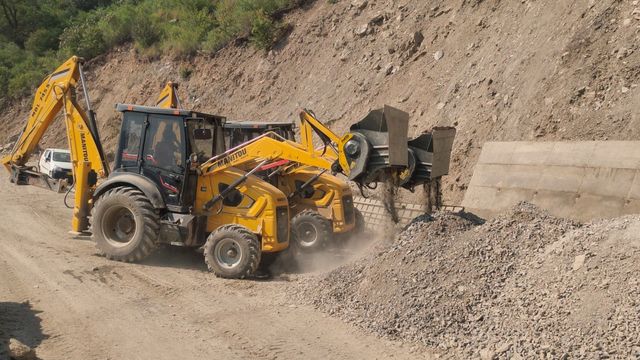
[[56, 164]]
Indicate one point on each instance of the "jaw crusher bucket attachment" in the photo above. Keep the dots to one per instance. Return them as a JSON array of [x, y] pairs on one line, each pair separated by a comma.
[[432, 154], [379, 146]]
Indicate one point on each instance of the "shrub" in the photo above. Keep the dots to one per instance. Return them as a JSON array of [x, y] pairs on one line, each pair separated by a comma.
[[42, 40], [145, 32], [83, 40], [263, 31], [188, 33], [5, 76], [216, 40], [116, 26], [185, 72], [10, 54], [54, 29]]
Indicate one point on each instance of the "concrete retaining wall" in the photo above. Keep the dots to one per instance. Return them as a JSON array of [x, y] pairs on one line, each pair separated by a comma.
[[579, 180]]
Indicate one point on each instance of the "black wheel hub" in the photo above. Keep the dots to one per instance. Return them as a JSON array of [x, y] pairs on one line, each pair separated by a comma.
[[307, 234], [119, 225]]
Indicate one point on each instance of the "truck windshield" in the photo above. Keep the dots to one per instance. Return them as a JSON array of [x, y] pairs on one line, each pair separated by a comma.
[[62, 157]]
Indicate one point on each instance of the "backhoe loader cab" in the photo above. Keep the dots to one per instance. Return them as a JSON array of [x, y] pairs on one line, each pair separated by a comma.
[[163, 146], [157, 193]]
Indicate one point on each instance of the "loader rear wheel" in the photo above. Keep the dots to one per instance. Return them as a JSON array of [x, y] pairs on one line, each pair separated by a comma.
[[232, 252], [310, 230], [125, 226]]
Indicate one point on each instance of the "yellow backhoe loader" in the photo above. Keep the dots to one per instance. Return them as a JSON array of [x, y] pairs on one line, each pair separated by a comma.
[[152, 196], [321, 205], [172, 184]]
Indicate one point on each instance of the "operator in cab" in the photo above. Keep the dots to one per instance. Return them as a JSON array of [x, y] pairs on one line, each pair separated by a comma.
[[166, 152]]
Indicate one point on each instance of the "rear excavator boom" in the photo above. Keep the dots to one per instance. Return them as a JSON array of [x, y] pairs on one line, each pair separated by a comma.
[[58, 93], [168, 98]]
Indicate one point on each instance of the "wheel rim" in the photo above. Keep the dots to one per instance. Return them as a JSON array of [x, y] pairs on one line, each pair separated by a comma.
[[119, 225], [228, 253], [307, 234]]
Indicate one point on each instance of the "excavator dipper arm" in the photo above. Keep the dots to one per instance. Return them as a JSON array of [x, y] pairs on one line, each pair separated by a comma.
[[56, 94]]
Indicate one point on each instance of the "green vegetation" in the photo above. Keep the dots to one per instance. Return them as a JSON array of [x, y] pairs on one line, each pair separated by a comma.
[[37, 35]]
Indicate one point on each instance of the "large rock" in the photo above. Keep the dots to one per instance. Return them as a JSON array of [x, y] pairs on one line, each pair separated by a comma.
[[20, 351]]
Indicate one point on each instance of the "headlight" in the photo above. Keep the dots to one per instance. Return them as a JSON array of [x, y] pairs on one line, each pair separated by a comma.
[[352, 148]]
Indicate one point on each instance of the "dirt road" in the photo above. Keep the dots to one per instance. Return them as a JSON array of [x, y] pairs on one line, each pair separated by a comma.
[[82, 306]]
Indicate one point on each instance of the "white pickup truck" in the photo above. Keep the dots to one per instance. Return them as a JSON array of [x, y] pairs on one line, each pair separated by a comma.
[[56, 164]]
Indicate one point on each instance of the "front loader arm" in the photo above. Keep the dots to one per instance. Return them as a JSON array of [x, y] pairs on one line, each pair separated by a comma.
[[376, 148], [47, 104], [332, 142], [265, 147]]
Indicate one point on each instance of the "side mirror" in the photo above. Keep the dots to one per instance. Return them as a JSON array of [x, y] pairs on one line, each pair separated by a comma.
[[202, 134]]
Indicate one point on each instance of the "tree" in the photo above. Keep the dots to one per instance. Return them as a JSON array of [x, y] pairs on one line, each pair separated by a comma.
[[10, 12]]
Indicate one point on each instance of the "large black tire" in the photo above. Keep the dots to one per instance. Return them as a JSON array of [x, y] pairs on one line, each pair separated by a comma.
[[232, 252], [310, 231], [125, 226]]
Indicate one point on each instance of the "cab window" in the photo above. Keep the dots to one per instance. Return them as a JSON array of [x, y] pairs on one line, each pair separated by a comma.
[[64, 157], [204, 148], [164, 143], [130, 139]]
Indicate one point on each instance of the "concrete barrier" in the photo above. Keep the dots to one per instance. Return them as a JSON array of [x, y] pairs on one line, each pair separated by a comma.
[[578, 180]]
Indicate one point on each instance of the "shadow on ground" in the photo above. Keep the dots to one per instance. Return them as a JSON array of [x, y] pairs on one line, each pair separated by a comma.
[[177, 257], [19, 321], [272, 267]]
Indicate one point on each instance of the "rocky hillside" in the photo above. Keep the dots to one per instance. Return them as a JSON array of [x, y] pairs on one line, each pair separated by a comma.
[[497, 70]]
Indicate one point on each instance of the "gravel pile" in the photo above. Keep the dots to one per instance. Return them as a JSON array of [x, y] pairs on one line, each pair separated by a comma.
[[523, 285]]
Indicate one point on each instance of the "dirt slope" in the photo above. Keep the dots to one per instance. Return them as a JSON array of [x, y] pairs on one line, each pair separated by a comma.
[[498, 70], [56, 295]]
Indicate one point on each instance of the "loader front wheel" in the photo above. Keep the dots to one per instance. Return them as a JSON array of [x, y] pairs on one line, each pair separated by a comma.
[[310, 230], [232, 252], [125, 226]]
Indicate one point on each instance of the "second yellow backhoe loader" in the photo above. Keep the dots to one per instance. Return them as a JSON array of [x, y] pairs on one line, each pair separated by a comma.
[[321, 205], [172, 184]]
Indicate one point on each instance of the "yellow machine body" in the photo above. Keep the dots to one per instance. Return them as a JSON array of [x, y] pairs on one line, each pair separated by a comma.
[[257, 211], [332, 197]]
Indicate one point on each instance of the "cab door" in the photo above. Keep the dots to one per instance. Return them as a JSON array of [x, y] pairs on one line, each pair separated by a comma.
[[164, 158], [45, 162]]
